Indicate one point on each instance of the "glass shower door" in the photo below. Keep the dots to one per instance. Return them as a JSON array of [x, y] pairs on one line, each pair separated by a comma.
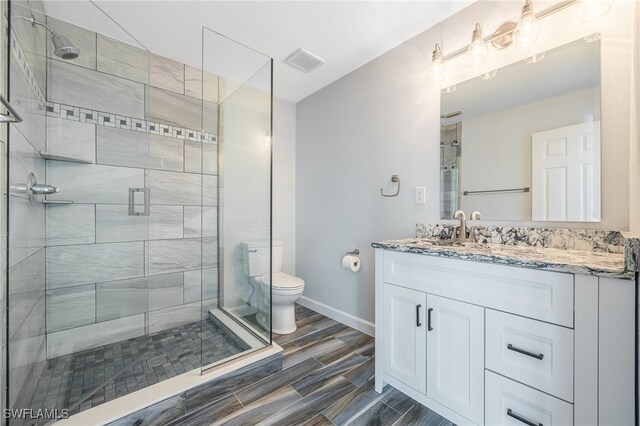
[[133, 182], [78, 213], [241, 80]]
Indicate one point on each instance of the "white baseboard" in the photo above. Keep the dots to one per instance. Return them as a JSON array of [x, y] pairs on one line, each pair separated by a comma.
[[338, 315]]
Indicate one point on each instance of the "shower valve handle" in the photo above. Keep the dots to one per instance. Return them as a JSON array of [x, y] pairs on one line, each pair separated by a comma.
[[44, 189]]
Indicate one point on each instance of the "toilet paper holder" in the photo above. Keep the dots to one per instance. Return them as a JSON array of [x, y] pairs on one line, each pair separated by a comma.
[[355, 252]]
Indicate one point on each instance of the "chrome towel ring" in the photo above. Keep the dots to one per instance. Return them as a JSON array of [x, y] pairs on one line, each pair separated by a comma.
[[395, 179]]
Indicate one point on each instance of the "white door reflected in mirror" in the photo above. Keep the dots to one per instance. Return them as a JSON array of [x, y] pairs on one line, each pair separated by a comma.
[[565, 169]]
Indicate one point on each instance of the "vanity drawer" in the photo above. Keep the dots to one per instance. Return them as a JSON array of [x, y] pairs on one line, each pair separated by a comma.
[[510, 403], [532, 352], [543, 295]]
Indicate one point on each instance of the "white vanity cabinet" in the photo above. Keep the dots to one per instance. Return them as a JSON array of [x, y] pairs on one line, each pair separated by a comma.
[[405, 342], [436, 346], [482, 343], [455, 354]]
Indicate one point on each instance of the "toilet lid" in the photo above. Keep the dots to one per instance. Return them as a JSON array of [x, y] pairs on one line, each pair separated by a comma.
[[282, 280]]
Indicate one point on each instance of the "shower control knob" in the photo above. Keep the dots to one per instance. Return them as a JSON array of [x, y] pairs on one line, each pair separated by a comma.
[[44, 189]]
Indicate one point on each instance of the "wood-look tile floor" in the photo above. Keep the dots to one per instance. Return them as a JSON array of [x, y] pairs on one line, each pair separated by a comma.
[[326, 379]]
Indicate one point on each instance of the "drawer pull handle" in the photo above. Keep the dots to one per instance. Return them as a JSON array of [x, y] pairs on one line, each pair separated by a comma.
[[522, 351], [418, 324], [429, 328], [524, 420]]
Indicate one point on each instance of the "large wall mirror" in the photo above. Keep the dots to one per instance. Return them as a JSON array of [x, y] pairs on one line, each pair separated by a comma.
[[523, 143]]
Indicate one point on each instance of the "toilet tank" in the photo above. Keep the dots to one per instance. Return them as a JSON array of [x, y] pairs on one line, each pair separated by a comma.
[[255, 255]]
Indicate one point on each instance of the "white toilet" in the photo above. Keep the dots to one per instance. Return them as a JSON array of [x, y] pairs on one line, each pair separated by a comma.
[[285, 289]]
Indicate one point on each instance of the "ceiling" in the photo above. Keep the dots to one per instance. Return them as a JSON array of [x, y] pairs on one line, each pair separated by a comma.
[[346, 34]]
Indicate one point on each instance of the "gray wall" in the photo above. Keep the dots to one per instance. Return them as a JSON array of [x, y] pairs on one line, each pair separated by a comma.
[[383, 119], [136, 117], [284, 180]]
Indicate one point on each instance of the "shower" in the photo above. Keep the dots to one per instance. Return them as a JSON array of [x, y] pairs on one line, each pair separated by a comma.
[[119, 281], [63, 48]]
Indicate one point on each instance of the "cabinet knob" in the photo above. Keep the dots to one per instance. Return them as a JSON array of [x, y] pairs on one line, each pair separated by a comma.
[[418, 324]]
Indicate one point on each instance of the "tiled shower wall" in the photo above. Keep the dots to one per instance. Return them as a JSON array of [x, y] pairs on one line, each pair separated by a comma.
[[137, 117]]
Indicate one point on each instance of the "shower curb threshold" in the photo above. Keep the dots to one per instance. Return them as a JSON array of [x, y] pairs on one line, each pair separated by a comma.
[[127, 404], [231, 326]]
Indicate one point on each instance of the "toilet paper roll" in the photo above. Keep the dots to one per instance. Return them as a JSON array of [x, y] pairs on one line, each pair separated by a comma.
[[351, 262]]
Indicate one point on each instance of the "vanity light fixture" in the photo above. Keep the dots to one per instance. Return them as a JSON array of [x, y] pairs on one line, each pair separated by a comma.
[[535, 58], [488, 75], [523, 33], [503, 36], [593, 37], [526, 32], [437, 67], [450, 89], [478, 50], [590, 10]]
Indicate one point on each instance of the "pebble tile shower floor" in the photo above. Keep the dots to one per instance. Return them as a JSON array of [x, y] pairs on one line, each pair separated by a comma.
[[88, 378]]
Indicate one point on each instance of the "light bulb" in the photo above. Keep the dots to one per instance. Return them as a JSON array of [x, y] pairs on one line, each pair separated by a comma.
[[526, 32], [590, 10], [437, 67], [478, 50]]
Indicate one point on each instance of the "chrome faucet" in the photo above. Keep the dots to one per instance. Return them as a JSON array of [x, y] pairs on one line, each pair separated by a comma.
[[462, 229], [462, 234], [472, 231]]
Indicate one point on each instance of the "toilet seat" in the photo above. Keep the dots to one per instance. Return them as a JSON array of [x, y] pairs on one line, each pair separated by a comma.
[[283, 282]]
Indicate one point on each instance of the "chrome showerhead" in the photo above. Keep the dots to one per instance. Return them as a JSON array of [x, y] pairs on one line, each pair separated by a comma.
[[63, 48]]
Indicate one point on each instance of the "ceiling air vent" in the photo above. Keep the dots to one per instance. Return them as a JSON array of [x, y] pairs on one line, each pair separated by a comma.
[[304, 61]]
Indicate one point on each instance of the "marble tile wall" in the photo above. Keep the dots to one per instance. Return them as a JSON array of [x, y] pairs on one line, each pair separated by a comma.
[[122, 59], [135, 118]]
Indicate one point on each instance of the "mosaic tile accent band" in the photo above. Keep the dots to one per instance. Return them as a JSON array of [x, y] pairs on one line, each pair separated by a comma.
[[23, 63], [84, 115], [567, 239]]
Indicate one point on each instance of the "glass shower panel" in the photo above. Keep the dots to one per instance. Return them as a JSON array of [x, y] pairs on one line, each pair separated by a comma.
[[25, 261], [78, 211], [118, 233], [243, 181]]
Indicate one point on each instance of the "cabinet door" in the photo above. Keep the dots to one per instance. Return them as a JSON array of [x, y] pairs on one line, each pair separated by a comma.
[[455, 356], [405, 336]]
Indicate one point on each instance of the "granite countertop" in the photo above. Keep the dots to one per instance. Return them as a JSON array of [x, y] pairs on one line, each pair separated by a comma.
[[551, 259]]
